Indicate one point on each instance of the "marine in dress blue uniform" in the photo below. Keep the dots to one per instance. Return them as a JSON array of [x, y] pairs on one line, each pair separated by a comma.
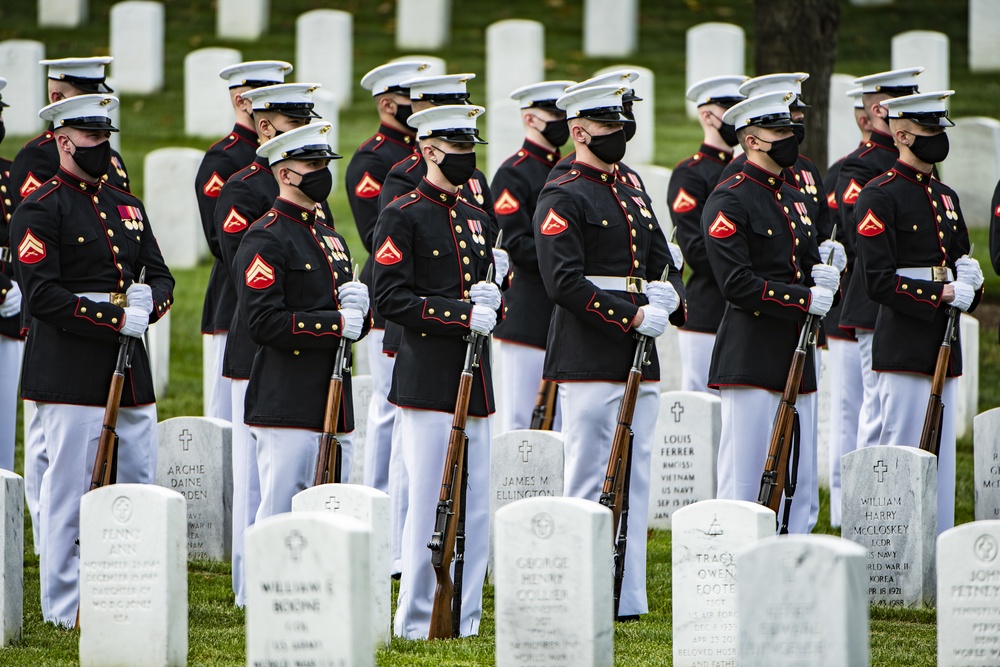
[[601, 253], [691, 183], [223, 159], [81, 246], [432, 259], [914, 244], [763, 249], [517, 184], [300, 302]]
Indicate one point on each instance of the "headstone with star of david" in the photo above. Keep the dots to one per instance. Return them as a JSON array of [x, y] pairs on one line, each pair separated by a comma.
[[371, 507], [801, 601], [133, 577], [524, 464], [706, 537], [968, 589], [986, 451], [889, 507], [554, 584], [195, 460], [685, 450], [309, 591]]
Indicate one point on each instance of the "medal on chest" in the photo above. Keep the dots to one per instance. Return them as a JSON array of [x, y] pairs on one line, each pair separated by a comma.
[[643, 211], [949, 207], [477, 190], [131, 217], [476, 227], [803, 212]]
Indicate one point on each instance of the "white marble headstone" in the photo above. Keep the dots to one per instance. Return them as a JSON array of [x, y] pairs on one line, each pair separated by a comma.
[[642, 147], [504, 131], [362, 388], [309, 591], [133, 577], [172, 206], [669, 353], [370, 507], [890, 508], [523, 464], [927, 49], [802, 602], [823, 407], [423, 24], [62, 13], [973, 167], [12, 552], [208, 108], [968, 590], [554, 584], [713, 49], [685, 450], [656, 180], [610, 28], [25, 83], [159, 354], [706, 537], [324, 50], [195, 460], [843, 134], [137, 30], [984, 23], [242, 19], [986, 452], [967, 395], [515, 55]]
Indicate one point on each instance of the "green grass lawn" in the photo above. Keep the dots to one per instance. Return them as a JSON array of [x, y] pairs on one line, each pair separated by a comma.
[[216, 627]]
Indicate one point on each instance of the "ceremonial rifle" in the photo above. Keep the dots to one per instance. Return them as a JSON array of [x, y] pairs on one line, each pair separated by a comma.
[[329, 458], [614, 494], [780, 478], [930, 436], [545, 406], [448, 540]]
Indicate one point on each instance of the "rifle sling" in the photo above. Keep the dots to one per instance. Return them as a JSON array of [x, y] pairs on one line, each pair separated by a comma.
[[791, 471]]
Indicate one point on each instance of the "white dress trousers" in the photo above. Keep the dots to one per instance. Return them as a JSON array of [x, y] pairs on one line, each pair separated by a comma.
[[870, 419], [219, 403], [522, 374], [246, 486], [399, 493], [591, 411], [696, 356], [36, 462], [71, 436], [903, 398], [381, 414], [424, 442], [747, 422], [846, 390]]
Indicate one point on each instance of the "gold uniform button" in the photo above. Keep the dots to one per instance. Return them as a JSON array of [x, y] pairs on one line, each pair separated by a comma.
[[920, 291], [929, 190], [465, 260], [430, 311], [119, 265], [111, 232], [454, 214], [798, 274], [318, 326], [83, 309], [482, 253], [938, 219], [461, 244], [636, 264], [802, 301], [770, 233], [334, 327], [604, 222], [464, 316], [630, 218], [920, 177], [121, 283], [7, 202], [96, 200], [597, 304], [115, 248], [114, 320], [611, 311], [302, 325], [905, 286], [933, 297], [634, 248], [778, 195], [447, 313], [308, 266], [435, 253], [796, 241], [633, 232], [793, 225], [624, 320], [467, 277], [466, 294], [915, 227], [295, 352], [100, 315], [787, 297], [80, 240], [941, 234], [770, 292], [786, 208], [458, 229], [934, 203]]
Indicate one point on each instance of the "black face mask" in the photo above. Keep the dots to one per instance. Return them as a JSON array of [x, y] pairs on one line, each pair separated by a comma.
[[629, 128], [728, 133], [3, 131], [556, 132], [932, 149], [93, 160], [316, 184], [403, 113], [799, 132], [608, 148], [457, 168], [784, 152]]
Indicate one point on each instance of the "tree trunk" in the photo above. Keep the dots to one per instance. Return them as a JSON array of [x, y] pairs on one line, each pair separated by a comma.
[[801, 36]]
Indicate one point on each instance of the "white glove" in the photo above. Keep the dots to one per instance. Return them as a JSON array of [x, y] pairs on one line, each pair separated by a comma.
[[969, 271], [826, 276], [354, 294], [964, 294], [839, 254], [140, 295], [654, 321], [136, 321], [502, 262], [483, 319], [663, 295], [11, 305], [353, 322], [485, 294], [821, 301], [676, 255]]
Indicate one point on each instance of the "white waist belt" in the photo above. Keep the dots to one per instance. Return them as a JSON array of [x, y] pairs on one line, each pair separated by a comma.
[[939, 274], [619, 283], [116, 298]]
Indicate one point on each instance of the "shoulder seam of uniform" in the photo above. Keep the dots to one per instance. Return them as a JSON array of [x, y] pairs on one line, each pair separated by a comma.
[[569, 176]]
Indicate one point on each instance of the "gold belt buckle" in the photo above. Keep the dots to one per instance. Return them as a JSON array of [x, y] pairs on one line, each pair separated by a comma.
[[939, 274], [118, 299], [633, 285]]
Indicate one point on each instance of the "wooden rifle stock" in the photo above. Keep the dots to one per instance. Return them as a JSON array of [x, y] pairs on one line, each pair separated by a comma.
[[930, 436], [330, 455], [545, 406]]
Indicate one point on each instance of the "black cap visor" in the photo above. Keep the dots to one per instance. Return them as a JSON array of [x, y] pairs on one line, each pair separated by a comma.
[[630, 96], [724, 102], [292, 110], [442, 98], [926, 119], [605, 115], [89, 123], [773, 120], [87, 85], [461, 135], [894, 91], [310, 152]]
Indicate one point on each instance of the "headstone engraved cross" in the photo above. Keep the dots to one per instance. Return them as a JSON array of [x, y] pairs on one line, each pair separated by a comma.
[[880, 469], [185, 439], [525, 449], [677, 410]]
